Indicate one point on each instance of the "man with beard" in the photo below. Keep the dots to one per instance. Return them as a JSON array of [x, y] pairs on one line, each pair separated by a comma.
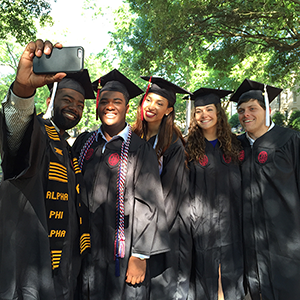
[[43, 224]]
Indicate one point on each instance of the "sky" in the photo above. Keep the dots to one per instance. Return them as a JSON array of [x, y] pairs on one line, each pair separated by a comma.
[[75, 26]]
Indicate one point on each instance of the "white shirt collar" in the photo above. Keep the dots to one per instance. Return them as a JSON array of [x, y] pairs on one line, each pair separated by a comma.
[[251, 140], [122, 134]]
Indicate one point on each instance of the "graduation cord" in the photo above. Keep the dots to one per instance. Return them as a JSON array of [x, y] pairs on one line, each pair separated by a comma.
[[119, 244], [85, 148]]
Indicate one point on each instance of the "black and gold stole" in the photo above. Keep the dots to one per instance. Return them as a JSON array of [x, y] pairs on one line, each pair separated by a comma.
[[57, 197]]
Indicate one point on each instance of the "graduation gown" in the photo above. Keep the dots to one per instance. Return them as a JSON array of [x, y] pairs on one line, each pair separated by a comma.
[[215, 226], [271, 214], [145, 224], [174, 179], [25, 259]]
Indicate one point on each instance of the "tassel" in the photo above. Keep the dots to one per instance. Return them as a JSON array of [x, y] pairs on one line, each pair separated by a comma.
[[266, 97], [97, 98], [49, 113], [147, 90], [122, 248], [116, 247], [117, 267]]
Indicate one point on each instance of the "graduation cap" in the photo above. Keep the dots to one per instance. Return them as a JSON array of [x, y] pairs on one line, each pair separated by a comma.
[[250, 89], [116, 81], [164, 88], [205, 96], [79, 82]]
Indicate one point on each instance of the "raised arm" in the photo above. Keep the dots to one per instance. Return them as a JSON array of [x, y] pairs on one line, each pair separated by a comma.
[[18, 106]]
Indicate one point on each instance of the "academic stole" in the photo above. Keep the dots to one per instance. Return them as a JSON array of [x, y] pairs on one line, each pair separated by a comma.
[[57, 197]]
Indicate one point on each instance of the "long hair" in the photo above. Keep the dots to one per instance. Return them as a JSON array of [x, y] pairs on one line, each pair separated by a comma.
[[166, 130], [228, 142]]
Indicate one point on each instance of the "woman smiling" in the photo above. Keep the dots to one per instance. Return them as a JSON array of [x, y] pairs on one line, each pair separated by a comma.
[[155, 123], [215, 201]]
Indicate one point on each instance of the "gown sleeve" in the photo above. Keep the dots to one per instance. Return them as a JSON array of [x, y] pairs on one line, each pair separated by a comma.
[[174, 180], [148, 193]]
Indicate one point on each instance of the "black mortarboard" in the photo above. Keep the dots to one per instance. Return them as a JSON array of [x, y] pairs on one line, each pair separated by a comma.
[[165, 88], [116, 81], [205, 96], [250, 89], [79, 82]]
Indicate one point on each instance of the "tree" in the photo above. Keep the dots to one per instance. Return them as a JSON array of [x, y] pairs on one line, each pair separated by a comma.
[[137, 54], [234, 120], [279, 119], [10, 54], [17, 18], [294, 115], [223, 33], [296, 124]]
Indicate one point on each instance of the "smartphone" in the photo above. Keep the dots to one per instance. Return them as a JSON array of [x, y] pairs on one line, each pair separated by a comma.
[[66, 59]]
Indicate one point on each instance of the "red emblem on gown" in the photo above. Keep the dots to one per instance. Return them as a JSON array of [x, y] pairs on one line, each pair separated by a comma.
[[262, 157], [227, 160], [113, 159], [242, 155], [89, 154], [204, 161]]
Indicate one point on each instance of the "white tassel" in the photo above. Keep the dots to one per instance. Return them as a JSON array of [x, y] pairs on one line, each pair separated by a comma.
[[267, 106], [49, 112]]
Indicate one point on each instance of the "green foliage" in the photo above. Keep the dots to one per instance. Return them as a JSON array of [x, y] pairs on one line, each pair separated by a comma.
[[140, 54], [17, 18], [279, 119], [9, 57], [168, 35], [10, 54], [234, 120], [296, 124], [294, 115]]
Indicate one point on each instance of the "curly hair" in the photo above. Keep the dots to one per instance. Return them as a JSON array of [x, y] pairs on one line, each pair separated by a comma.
[[166, 130], [228, 142]]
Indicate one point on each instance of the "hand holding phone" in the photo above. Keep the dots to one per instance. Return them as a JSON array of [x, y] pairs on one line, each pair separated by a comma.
[[66, 59], [26, 80]]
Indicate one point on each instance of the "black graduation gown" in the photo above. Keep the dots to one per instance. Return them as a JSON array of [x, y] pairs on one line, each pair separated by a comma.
[[271, 214], [25, 260], [215, 226], [145, 224], [174, 179]]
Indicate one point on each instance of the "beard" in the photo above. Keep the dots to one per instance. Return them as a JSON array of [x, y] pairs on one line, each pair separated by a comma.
[[62, 122]]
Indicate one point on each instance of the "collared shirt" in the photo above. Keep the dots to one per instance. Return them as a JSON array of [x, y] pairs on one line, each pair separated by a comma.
[[251, 140], [123, 134]]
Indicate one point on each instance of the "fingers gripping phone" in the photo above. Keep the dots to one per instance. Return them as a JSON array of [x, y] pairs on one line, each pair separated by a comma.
[[66, 59]]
